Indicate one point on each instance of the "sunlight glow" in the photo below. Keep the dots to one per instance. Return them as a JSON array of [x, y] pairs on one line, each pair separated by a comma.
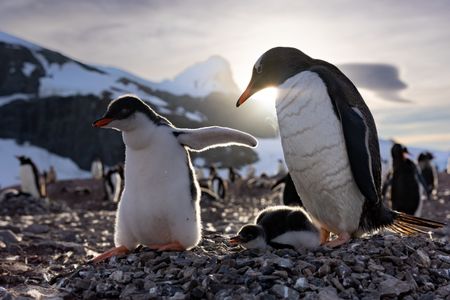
[[266, 97]]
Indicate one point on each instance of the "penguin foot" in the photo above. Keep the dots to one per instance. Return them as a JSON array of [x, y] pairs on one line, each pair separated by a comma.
[[174, 246], [342, 238], [110, 253], [324, 236]]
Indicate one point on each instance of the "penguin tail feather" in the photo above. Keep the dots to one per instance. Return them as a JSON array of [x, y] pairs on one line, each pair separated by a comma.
[[407, 224]]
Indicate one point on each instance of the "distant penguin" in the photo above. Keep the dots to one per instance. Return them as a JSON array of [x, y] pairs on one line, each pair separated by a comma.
[[216, 183], [407, 186], [279, 227], [290, 195], [429, 172], [29, 177], [159, 207], [97, 168], [113, 181], [51, 175], [233, 175]]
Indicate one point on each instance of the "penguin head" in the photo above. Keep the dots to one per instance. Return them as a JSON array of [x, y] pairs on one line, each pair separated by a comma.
[[399, 152], [273, 68], [24, 160], [250, 237], [127, 113]]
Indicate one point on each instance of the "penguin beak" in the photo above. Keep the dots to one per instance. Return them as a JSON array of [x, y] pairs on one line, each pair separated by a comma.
[[249, 91], [235, 240], [102, 122]]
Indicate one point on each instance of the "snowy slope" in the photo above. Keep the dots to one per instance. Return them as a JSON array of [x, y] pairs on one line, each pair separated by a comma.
[[9, 165]]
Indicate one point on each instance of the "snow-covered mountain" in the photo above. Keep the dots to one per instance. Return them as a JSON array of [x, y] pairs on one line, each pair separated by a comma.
[[202, 79], [59, 75]]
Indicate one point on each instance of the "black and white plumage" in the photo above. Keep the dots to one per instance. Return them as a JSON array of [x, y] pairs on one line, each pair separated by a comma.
[[279, 227], [290, 195], [113, 182], [159, 206], [428, 171], [29, 177], [97, 169], [407, 187], [330, 145]]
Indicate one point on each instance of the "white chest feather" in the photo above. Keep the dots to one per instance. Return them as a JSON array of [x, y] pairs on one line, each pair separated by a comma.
[[27, 181], [316, 155], [157, 205]]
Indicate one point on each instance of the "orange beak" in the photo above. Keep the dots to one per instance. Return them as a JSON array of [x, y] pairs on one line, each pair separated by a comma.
[[247, 94], [102, 122], [235, 240]]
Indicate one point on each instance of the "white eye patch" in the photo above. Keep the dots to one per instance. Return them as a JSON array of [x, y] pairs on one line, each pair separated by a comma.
[[258, 65]]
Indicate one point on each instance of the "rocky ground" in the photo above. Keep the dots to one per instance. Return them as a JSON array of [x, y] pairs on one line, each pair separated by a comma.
[[45, 249]]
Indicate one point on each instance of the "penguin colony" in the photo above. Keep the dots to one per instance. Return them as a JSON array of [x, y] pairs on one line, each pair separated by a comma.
[[159, 207], [330, 145]]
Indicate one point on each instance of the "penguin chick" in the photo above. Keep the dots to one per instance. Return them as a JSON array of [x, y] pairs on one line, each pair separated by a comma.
[[279, 227], [159, 207]]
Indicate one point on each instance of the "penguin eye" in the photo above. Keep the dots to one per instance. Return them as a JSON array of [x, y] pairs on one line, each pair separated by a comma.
[[125, 111]]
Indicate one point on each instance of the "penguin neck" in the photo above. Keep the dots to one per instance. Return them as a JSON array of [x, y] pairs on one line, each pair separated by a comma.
[[141, 136]]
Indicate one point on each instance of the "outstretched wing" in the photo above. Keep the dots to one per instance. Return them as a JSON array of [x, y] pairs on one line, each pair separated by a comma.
[[211, 137], [359, 130]]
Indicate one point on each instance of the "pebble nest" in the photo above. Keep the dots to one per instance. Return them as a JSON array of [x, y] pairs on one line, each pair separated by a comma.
[[45, 253]]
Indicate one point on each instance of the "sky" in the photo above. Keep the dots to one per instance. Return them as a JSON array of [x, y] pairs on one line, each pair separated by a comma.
[[406, 44]]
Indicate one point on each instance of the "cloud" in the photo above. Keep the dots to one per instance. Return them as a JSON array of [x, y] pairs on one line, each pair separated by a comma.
[[381, 78]]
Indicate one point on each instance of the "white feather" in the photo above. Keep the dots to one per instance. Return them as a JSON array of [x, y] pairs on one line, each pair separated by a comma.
[[28, 182], [299, 239], [316, 155]]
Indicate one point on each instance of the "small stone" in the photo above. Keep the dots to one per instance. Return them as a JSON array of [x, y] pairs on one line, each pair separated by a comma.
[[178, 296], [284, 292], [444, 258], [343, 271], [328, 293], [392, 286], [8, 237], [423, 258], [284, 263], [37, 228], [444, 291], [301, 283], [324, 270]]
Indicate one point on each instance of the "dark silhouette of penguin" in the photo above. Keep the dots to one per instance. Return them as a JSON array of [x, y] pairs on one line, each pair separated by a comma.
[[429, 172], [233, 175], [216, 183], [407, 188], [290, 195]]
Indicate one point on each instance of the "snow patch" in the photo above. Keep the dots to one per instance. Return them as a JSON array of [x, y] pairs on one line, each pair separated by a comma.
[[9, 170], [10, 98], [28, 68], [195, 116]]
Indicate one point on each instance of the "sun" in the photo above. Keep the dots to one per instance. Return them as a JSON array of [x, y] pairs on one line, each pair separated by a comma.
[[266, 97]]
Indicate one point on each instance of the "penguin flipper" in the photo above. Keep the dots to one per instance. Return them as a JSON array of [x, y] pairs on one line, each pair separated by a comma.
[[210, 137], [359, 131]]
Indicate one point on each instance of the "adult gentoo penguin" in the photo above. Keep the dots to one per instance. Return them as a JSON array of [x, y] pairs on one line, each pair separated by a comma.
[[330, 145], [29, 177], [290, 195], [159, 206], [408, 188], [279, 227]]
